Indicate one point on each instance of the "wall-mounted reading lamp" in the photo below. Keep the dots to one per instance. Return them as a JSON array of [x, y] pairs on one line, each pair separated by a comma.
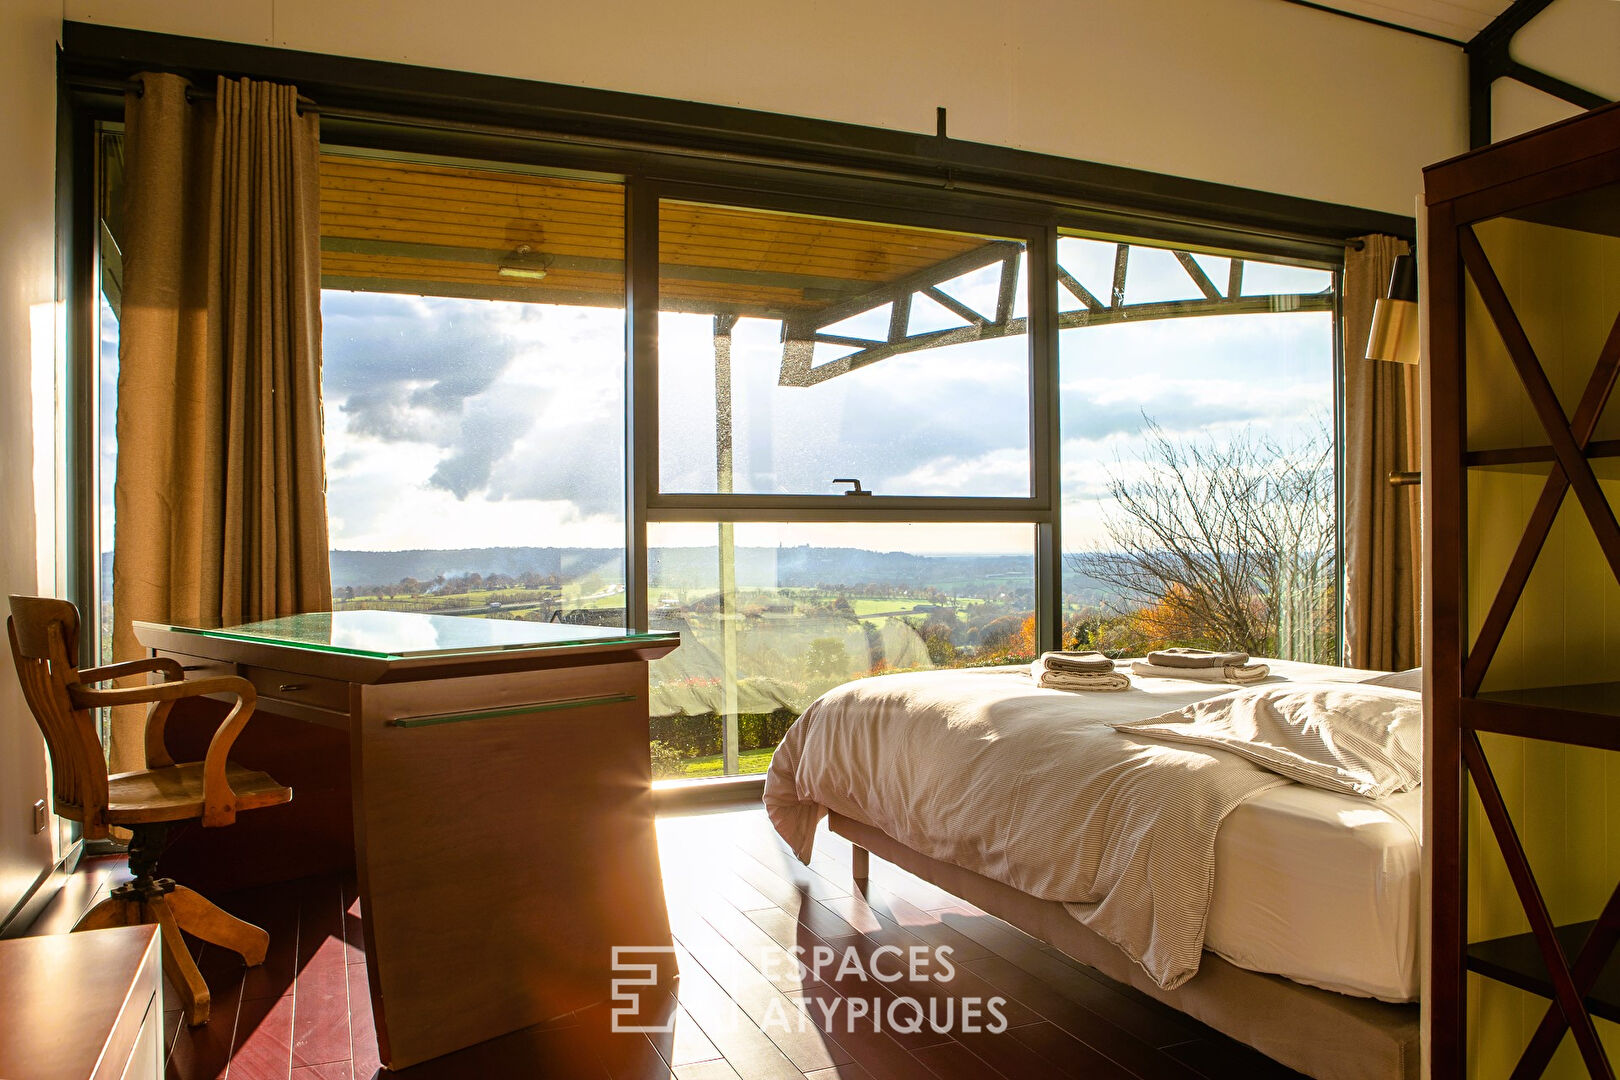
[[1395, 317], [524, 262], [1394, 335]]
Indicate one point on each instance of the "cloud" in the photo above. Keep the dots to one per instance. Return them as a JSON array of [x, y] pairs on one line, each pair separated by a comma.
[[469, 419], [1104, 410], [402, 368], [881, 423], [485, 437], [473, 379]]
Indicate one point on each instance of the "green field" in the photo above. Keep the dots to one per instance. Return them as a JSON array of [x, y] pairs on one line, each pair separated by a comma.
[[748, 761]]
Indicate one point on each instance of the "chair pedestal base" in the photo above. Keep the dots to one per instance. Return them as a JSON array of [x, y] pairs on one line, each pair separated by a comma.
[[175, 908]]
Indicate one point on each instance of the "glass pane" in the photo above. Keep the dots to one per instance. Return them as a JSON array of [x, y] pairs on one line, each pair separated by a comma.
[[395, 634], [797, 350], [474, 390], [1153, 275], [772, 615], [1274, 279], [106, 470], [1198, 471], [1089, 265], [109, 302]]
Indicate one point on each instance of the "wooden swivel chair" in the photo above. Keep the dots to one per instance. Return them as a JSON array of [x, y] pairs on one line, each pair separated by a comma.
[[44, 642]]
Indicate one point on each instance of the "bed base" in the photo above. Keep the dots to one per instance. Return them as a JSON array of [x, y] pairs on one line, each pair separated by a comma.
[[1317, 1032]]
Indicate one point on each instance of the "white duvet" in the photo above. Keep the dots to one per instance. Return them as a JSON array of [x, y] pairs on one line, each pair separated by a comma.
[[1031, 787]]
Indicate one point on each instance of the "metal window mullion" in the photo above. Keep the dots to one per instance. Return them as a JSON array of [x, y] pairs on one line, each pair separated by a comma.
[[640, 388], [873, 511], [1340, 347], [1045, 436]]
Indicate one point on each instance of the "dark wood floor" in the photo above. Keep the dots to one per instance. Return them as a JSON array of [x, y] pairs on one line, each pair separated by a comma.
[[738, 902]]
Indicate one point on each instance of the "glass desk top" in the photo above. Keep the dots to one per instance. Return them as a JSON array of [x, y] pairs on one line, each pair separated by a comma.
[[398, 635]]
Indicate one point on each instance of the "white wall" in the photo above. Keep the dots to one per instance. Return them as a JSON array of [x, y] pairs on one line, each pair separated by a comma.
[[28, 34], [1256, 93]]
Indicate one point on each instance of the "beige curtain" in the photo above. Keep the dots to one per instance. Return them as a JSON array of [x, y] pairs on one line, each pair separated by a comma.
[[1382, 434], [220, 494]]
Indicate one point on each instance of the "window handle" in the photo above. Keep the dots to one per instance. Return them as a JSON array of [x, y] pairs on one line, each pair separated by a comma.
[[856, 490]]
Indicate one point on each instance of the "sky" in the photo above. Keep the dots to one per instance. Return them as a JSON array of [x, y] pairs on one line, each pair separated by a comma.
[[470, 423]]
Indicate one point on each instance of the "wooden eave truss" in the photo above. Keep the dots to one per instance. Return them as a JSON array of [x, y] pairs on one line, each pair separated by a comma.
[[442, 230]]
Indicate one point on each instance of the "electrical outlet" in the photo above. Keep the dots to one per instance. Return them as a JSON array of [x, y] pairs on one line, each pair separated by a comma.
[[40, 817]]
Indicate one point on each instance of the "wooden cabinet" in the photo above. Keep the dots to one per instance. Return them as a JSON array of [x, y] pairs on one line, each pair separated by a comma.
[[1522, 275], [82, 1006]]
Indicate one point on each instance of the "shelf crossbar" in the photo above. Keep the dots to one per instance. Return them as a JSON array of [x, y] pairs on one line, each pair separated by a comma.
[[1568, 999], [1589, 963], [1569, 440]]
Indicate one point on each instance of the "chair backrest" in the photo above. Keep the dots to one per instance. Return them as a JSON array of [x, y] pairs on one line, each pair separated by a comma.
[[44, 635]]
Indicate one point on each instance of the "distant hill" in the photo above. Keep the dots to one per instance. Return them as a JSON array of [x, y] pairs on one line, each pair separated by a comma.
[[390, 567], [694, 568]]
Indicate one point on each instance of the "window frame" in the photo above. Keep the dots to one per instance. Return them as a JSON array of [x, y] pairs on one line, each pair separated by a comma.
[[647, 504], [662, 149]]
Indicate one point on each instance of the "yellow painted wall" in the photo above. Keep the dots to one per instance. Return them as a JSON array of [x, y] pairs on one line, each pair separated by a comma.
[[1565, 286]]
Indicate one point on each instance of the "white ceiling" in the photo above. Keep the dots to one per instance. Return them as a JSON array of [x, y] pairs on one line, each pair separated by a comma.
[[1456, 19]]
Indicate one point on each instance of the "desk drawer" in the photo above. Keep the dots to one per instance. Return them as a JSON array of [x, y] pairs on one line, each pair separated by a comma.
[[307, 690]]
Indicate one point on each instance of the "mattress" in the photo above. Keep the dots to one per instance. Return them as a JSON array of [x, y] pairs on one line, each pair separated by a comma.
[[1322, 888]]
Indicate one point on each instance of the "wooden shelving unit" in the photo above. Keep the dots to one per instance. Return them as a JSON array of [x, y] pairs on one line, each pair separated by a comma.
[[1567, 176], [1517, 960]]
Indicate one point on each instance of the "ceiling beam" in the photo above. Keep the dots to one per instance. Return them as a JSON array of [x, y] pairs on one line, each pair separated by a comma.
[[1358, 17], [1490, 57]]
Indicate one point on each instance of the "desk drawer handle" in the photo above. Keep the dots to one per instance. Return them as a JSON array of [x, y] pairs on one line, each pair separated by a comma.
[[514, 710], [291, 687]]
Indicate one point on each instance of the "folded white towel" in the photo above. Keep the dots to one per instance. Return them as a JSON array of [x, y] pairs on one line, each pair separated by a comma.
[[1196, 658], [1241, 674], [1108, 681], [1077, 662]]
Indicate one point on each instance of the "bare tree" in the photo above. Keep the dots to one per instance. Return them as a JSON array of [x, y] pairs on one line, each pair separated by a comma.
[[1226, 543]]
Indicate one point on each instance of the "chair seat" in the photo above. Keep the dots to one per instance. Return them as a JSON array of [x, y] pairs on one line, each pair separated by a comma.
[[175, 793]]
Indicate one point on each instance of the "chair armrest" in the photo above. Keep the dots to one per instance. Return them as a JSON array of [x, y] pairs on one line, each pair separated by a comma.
[[219, 801], [157, 718], [172, 671], [88, 697]]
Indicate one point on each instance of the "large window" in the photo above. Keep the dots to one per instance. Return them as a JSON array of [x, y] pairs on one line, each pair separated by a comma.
[[859, 440]]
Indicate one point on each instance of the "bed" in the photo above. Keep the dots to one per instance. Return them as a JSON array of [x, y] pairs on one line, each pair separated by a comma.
[[1305, 943]]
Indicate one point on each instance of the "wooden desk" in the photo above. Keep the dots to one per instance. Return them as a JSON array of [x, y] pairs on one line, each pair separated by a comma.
[[82, 1006], [500, 795]]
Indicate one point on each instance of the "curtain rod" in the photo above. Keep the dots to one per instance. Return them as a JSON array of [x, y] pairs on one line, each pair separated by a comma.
[[193, 94]]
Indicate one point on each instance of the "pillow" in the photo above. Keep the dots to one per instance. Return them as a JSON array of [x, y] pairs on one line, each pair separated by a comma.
[[1410, 679], [1351, 737]]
